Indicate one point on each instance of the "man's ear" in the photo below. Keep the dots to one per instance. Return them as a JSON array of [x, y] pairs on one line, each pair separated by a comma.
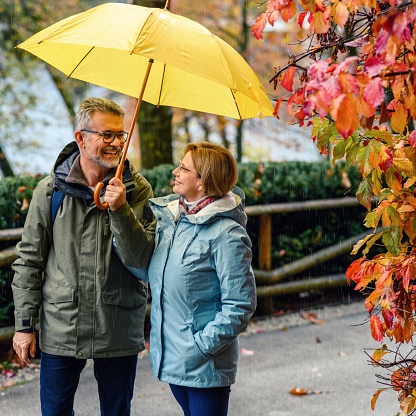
[[79, 138]]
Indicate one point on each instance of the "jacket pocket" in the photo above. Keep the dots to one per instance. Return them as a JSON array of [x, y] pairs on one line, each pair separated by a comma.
[[126, 297], [57, 294]]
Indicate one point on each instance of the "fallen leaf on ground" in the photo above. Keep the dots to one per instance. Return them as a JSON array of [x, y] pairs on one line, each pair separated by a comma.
[[297, 391], [311, 317]]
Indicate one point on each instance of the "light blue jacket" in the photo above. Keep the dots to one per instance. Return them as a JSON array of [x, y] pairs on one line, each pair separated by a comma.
[[203, 291]]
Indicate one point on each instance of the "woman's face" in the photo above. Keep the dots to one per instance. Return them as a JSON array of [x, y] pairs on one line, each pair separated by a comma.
[[187, 182]]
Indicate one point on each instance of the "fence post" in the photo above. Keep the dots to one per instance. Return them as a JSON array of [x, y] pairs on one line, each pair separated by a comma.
[[265, 304]]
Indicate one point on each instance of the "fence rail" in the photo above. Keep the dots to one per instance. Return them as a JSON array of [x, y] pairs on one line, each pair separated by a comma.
[[269, 281]]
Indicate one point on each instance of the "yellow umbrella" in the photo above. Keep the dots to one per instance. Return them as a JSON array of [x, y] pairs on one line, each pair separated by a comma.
[[156, 56]]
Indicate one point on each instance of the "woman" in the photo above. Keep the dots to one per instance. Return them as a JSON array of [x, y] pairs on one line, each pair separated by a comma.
[[202, 284]]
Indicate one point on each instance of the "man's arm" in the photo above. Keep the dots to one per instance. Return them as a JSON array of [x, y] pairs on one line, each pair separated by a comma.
[[133, 226], [32, 252]]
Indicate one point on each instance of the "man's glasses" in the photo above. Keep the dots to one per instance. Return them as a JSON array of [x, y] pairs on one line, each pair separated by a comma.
[[183, 168], [109, 136]]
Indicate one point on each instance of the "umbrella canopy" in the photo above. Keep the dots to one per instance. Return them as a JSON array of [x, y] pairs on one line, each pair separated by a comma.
[[156, 56], [110, 46]]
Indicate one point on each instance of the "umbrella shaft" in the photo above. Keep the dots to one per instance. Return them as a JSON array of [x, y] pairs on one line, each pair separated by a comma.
[[120, 167]]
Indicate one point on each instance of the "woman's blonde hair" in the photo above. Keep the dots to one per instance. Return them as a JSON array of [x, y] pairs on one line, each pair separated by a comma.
[[215, 165]]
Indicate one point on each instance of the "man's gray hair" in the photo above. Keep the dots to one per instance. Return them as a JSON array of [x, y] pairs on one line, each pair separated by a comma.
[[92, 104]]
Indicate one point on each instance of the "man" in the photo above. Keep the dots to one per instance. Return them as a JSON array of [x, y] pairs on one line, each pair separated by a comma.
[[68, 272]]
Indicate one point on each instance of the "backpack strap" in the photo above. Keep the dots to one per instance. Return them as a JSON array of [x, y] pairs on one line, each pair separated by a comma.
[[58, 196], [56, 201]]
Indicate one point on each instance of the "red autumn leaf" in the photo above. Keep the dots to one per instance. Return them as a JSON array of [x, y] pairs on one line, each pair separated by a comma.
[[381, 42], [376, 328], [276, 107], [358, 42], [388, 316], [347, 119], [287, 80], [300, 116], [373, 66], [412, 138], [353, 268], [347, 66], [401, 27], [332, 86], [301, 18], [259, 25], [374, 93]]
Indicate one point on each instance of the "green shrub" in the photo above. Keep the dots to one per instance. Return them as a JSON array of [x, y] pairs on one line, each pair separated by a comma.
[[15, 196], [295, 235]]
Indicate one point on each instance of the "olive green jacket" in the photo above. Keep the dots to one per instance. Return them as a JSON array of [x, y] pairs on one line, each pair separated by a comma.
[[68, 273]]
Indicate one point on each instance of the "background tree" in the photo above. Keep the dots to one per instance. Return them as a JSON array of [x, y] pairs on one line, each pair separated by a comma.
[[19, 19], [231, 21], [362, 108], [155, 123]]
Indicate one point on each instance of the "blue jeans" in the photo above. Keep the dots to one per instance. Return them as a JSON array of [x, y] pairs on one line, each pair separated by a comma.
[[194, 401], [59, 378]]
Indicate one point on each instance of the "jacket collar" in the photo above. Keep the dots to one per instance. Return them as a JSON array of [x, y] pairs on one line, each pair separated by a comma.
[[231, 205], [69, 179]]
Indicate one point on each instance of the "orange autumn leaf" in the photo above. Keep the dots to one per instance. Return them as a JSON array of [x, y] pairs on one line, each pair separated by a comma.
[[379, 353], [298, 391], [287, 80], [347, 119], [259, 25], [289, 11], [374, 398], [341, 13], [320, 21], [398, 120], [276, 107]]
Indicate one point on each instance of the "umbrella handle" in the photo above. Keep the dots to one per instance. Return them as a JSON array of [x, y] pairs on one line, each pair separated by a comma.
[[119, 173], [97, 191]]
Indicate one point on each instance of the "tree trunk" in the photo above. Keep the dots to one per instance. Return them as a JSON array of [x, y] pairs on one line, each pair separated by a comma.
[[155, 130], [155, 124], [5, 165], [243, 46]]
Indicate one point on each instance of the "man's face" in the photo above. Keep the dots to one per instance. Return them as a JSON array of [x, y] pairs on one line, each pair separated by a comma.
[[95, 150]]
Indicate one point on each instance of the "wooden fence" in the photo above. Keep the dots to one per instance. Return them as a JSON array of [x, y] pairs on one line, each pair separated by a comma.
[[269, 282]]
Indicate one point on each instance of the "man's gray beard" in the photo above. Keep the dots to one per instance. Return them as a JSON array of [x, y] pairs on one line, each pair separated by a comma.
[[101, 162]]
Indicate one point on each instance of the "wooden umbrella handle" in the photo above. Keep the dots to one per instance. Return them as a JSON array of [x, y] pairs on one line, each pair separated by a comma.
[[119, 172]]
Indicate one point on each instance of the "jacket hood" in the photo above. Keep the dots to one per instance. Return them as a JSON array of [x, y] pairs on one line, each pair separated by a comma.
[[79, 188], [229, 206]]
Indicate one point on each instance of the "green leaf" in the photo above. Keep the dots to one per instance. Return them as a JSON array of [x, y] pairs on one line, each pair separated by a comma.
[[365, 193], [339, 150], [371, 241], [324, 131], [384, 135], [392, 239], [394, 216], [372, 219]]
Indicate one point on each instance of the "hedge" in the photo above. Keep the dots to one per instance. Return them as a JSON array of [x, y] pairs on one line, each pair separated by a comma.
[[294, 235]]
